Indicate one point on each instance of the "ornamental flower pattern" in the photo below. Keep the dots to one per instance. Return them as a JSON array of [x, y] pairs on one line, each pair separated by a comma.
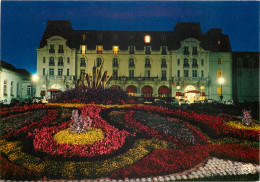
[[159, 152]]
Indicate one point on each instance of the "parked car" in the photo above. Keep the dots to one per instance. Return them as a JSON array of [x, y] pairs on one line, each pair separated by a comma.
[[229, 102]]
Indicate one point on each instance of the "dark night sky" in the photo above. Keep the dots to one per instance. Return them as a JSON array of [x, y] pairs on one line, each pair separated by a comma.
[[23, 23]]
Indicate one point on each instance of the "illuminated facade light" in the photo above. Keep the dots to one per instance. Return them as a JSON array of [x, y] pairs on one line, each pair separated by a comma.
[[83, 49], [115, 49], [147, 39]]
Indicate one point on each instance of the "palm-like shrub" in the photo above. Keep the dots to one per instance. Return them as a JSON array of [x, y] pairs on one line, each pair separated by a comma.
[[80, 124]]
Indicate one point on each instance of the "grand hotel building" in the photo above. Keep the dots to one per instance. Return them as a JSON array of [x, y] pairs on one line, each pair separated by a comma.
[[183, 63]]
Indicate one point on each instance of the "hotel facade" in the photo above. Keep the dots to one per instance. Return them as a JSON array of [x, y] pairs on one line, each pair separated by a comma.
[[183, 63]]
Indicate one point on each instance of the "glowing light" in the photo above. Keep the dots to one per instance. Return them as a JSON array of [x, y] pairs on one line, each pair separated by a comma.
[[35, 78], [115, 49], [83, 48], [178, 87], [221, 80], [202, 87], [147, 39]]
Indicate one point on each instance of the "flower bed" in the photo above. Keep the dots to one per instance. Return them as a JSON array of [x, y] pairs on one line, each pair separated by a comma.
[[157, 141], [19, 120], [240, 125], [114, 139]]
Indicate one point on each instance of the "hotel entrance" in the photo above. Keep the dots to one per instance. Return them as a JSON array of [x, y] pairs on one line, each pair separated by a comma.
[[191, 94]]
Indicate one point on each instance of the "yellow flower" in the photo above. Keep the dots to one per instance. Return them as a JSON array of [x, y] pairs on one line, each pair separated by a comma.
[[88, 137], [240, 125]]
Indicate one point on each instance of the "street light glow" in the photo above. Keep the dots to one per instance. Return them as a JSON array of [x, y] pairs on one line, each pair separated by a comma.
[[221, 80], [178, 87], [35, 78]]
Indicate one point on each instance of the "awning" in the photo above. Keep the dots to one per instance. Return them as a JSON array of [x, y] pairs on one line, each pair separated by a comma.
[[203, 94], [131, 89], [178, 93], [147, 89], [43, 93], [193, 91], [164, 90], [53, 90]]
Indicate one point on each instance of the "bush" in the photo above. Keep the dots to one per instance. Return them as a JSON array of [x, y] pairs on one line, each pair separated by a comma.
[[88, 95]]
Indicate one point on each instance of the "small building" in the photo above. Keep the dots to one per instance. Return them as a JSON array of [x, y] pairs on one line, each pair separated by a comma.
[[14, 83], [245, 76]]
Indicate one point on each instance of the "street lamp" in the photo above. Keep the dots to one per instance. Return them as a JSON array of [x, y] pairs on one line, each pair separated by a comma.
[[35, 78], [201, 88], [221, 80]]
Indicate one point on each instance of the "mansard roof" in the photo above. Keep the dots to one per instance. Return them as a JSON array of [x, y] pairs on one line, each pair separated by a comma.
[[246, 57], [182, 31], [10, 67]]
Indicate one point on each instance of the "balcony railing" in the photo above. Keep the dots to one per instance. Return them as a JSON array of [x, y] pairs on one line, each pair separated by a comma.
[[82, 64], [60, 64], [51, 51], [147, 65], [186, 65], [194, 65], [51, 63], [60, 51], [163, 65]]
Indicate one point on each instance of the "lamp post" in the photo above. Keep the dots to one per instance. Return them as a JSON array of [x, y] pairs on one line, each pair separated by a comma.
[[221, 80], [35, 78], [201, 88]]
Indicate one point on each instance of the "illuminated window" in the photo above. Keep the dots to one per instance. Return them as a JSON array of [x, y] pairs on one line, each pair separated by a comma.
[[219, 42], [219, 60], [29, 90], [219, 90], [5, 87], [99, 49], [219, 73], [147, 39], [83, 49], [115, 49], [83, 37]]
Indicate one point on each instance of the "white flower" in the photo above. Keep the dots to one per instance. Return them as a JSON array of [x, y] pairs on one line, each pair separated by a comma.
[[143, 179], [184, 177], [167, 178], [172, 178]]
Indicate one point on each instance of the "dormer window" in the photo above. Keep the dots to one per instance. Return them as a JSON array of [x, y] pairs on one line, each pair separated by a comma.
[[147, 39], [219, 42], [115, 49], [84, 37], [131, 49], [83, 49], [163, 65], [99, 49], [164, 50], [60, 49], [131, 63], [186, 50], [194, 50], [82, 62], [51, 48], [115, 38], [99, 37]]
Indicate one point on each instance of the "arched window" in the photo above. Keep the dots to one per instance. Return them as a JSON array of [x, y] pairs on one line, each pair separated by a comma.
[[147, 63], [131, 62], [12, 88], [115, 62], [99, 61], [5, 87], [164, 65], [51, 61], [60, 62], [17, 90]]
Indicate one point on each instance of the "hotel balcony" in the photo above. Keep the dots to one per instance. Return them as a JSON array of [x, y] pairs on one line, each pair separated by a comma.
[[186, 65], [51, 51]]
